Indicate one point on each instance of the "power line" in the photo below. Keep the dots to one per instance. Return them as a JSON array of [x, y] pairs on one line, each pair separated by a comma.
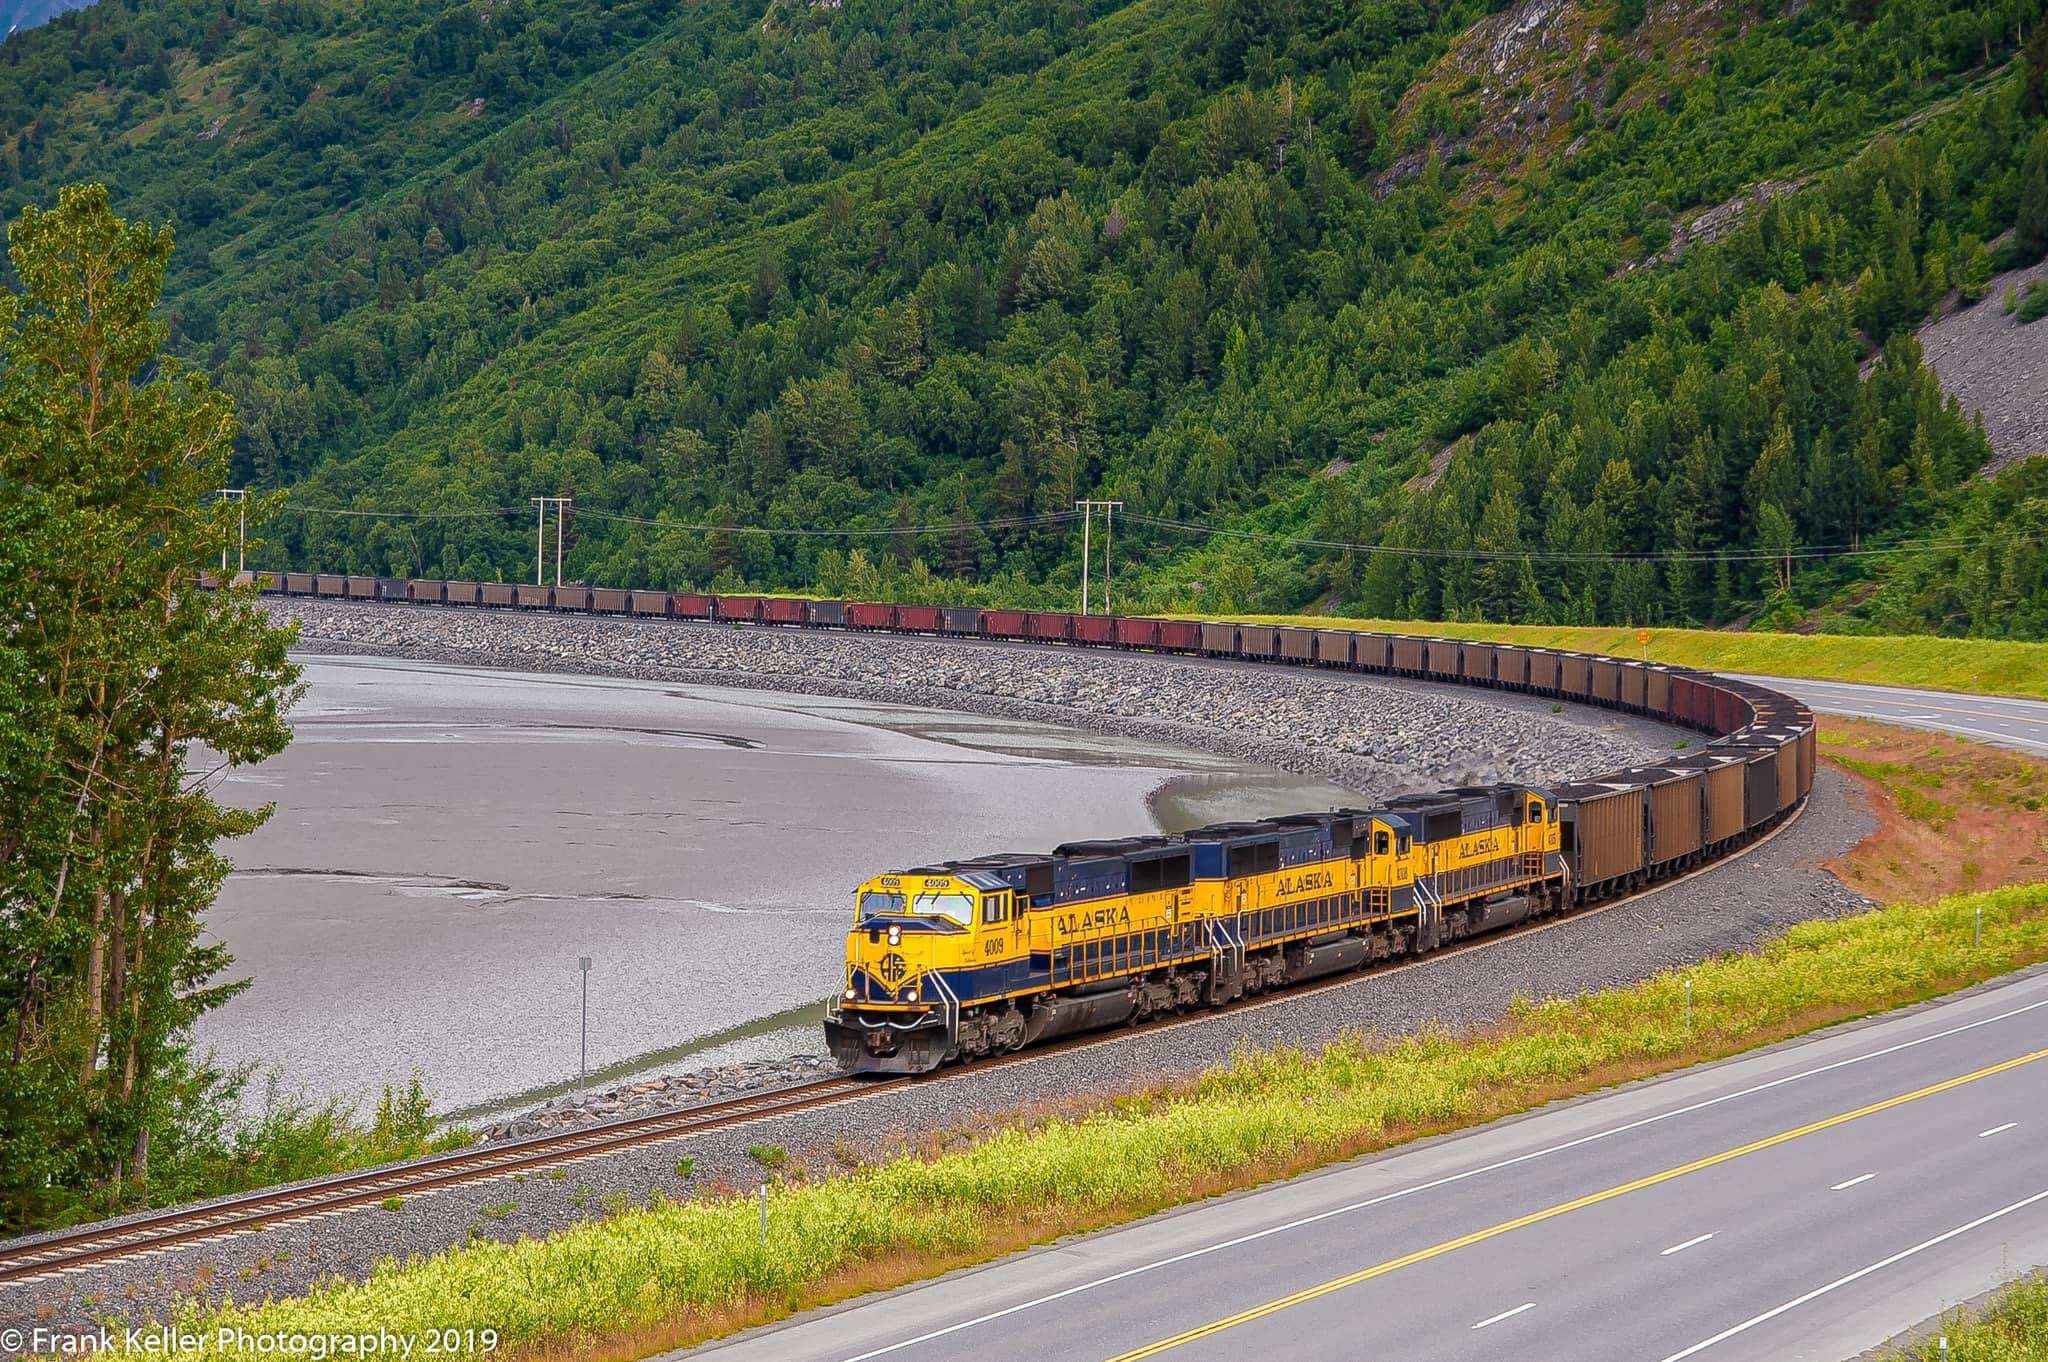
[[1805, 553], [998, 523]]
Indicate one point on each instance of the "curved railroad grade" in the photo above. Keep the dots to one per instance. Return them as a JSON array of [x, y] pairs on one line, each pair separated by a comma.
[[179, 1226], [67, 1251]]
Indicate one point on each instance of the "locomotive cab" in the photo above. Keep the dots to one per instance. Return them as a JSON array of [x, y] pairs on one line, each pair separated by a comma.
[[923, 943]]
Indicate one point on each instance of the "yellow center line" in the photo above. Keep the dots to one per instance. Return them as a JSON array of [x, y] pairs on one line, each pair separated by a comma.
[[1562, 1208]]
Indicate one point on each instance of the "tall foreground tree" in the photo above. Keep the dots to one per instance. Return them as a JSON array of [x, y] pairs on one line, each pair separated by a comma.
[[124, 693]]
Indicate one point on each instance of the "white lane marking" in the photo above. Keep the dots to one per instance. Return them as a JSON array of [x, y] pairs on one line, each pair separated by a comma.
[[1922, 718], [1857, 1275], [1505, 1314], [1996, 1130], [1254, 1236], [1845, 1186], [1680, 1248]]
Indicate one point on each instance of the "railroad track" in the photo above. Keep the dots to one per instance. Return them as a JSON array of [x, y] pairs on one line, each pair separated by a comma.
[[69, 1250]]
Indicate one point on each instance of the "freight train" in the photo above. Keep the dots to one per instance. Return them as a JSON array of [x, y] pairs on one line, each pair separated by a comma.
[[982, 956]]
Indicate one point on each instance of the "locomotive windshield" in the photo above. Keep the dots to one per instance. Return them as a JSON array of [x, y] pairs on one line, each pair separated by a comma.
[[878, 902], [956, 907]]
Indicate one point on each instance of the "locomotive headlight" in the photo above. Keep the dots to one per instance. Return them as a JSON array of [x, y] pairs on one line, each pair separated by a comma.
[[849, 995], [895, 934]]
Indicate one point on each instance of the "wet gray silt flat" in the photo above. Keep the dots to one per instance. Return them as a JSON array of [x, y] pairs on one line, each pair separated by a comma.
[[448, 841]]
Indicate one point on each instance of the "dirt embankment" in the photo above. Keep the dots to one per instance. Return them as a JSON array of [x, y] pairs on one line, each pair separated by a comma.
[[1952, 816]]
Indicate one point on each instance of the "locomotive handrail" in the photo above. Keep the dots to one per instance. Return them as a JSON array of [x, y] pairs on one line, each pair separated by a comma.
[[952, 1000]]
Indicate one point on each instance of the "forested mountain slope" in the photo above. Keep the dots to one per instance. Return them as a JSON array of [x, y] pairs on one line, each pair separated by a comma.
[[1586, 312]]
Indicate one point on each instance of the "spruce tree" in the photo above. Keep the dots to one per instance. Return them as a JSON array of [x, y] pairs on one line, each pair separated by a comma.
[[114, 667]]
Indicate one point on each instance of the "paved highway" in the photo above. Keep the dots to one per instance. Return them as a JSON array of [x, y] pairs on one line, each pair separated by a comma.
[[1805, 1202], [2021, 724]]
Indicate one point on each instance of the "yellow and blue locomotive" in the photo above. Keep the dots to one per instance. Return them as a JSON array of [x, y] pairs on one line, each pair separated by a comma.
[[988, 955]]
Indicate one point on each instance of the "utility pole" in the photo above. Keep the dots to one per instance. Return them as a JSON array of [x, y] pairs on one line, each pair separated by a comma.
[[239, 495], [540, 530], [1109, 510], [1087, 520]]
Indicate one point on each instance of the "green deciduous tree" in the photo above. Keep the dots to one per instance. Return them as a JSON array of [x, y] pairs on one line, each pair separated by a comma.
[[124, 692]]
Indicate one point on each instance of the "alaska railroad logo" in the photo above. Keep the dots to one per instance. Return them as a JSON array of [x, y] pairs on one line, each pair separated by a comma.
[[892, 968]]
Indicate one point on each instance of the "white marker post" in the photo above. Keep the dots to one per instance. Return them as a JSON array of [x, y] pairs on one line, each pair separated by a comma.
[[1688, 1004], [583, 1063], [764, 1218]]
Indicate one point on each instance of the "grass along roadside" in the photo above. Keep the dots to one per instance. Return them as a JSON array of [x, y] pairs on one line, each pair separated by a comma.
[[676, 1273], [1985, 666], [2013, 1328]]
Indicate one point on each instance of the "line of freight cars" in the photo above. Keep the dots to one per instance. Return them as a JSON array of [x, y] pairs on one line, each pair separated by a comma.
[[1622, 831]]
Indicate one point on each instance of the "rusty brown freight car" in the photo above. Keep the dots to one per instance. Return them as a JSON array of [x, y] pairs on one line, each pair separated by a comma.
[[746, 609], [499, 594], [1372, 652], [1099, 630], [1602, 835], [572, 598], [785, 610], [423, 591], [869, 615], [923, 619], [1572, 675], [1219, 640], [1440, 658], [299, 583], [654, 603], [1724, 773], [1041, 625], [690, 605], [327, 584], [1258, 640], [1511, 666], [1678, 812], [1475, 662], [1606, 684], [361, 588], [463, 593], [1182, 636], [532, 597], [1296, 644], [1657, 691], [1544, 670], [1333, 647], [1786, 745], [609, 600], [1634, 685], [1002, 623], [1407, 655], [1137, 633], [1808, 745]]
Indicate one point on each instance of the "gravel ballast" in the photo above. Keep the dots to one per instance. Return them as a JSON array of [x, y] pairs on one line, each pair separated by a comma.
[[1372, 735], [1461, 737]]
